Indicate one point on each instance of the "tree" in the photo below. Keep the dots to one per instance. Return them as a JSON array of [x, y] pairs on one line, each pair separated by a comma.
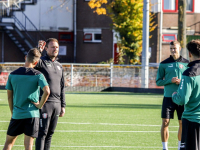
[[127, 18], [182, 26]]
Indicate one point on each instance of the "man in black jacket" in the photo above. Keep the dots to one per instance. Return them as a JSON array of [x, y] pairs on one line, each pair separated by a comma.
[[55, 105]]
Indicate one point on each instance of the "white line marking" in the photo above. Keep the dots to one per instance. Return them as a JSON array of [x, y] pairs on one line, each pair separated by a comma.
[[110, 124], [152, 147], [115, 124], [110, 131], [104, 131]]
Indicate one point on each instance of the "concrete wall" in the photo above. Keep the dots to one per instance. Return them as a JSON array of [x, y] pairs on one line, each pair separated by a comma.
[[48, 15]]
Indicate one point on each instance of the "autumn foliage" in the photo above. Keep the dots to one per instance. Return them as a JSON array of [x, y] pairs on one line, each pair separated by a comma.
[[127, 18]]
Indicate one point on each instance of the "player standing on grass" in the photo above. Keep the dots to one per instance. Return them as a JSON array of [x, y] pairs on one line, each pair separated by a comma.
[[23, 98], [169, 75], [55, 105], [188, 94]]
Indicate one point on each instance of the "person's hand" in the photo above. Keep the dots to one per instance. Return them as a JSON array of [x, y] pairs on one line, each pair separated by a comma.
[[41, 45], [36, 104], [174, 79], [178, 81], [62, 112], [174, 93]]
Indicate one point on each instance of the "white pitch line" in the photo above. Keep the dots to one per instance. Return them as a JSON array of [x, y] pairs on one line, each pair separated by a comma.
[[115, 124], [110, 131], [75, 131], [110, 124], [145, 147]]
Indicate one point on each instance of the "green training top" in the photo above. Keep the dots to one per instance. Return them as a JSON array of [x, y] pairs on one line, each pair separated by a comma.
[[188, 93], [168, 69], [25, 84]]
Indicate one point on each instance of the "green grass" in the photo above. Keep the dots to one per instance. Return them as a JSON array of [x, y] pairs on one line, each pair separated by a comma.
[[104, 121]]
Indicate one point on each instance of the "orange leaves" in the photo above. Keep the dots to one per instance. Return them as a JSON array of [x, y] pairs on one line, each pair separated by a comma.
[[127, 18], [97, 5]]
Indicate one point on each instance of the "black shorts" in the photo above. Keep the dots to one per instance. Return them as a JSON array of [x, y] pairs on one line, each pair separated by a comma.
[[190, 135], [28, 126], [168, 108]]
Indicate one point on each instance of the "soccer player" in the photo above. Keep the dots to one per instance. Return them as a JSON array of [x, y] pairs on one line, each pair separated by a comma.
[[188, 94], [23, 97], [55, 105], [169, 75]]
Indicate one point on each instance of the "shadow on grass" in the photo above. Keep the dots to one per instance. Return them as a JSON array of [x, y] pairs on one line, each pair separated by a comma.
[[114, 93], [3, 104], [129, 106]]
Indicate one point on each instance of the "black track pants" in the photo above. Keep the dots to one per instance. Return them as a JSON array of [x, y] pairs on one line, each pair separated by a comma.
[[48, 120]]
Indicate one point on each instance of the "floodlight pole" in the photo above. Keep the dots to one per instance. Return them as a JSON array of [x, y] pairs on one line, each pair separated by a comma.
[[145, 45]]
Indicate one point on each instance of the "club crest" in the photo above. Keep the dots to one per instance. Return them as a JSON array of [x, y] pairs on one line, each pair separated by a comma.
[[44, 115], [180, 66]]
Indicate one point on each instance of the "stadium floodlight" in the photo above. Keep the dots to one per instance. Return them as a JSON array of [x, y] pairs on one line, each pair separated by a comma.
[[9, 3]]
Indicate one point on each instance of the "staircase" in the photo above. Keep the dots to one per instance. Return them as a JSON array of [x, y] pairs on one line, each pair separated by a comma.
[[17, 30]]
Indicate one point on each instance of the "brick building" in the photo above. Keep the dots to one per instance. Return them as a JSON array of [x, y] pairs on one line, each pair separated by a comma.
[[84, 36]]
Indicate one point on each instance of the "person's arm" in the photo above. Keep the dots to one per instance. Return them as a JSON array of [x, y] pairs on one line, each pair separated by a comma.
[[10, 100], [63, 103], [160, 79], [181, 97], [45, 95]]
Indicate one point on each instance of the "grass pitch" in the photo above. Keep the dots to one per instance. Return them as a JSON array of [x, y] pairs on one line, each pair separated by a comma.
[[105, 121]]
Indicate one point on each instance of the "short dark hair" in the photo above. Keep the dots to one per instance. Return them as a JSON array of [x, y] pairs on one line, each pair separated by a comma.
[[194, 47], [33, 55], [50, 40], [174, 43]]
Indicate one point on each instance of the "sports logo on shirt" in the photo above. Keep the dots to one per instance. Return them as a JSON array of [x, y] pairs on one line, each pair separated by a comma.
[[44, 115], [180, 66], [58, 67], [47, 63], [181, 84], [171, 65]]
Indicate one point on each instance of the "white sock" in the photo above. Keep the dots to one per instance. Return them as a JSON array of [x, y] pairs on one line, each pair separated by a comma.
[[179, 144], [165, 145]]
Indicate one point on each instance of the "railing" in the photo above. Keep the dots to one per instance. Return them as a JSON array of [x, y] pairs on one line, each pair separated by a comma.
[[23, 27], [24, 24], [84, 77]]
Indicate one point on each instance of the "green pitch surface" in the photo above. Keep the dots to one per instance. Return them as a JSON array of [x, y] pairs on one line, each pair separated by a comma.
[[105, 121]]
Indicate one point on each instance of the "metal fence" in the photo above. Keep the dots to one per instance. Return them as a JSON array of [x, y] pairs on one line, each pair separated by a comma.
[[96, 77]]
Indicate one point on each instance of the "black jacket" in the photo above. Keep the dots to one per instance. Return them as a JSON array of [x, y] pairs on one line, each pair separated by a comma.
[[53, 72]]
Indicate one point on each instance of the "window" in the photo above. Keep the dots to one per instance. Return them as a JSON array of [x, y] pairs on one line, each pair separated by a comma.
[[65, 36], [172, 5], [190, 6], [168, 37], [88, 37], [92, 35]]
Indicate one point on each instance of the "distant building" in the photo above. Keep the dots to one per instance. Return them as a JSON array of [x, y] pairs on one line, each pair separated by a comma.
[[170, 25], [84, 36]]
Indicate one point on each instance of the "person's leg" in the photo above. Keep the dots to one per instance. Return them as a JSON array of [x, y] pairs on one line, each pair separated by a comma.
[[164, 130], [15, 128], [53, 123], [179, 110], [45, 117], [179, 133], [166, 115], [10, 140], [28, 142], [180, 130], [184, 134]]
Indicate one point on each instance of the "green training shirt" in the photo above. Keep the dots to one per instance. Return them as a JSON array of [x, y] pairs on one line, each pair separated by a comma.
[[168, 69], [188, 93], [25, 84]]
